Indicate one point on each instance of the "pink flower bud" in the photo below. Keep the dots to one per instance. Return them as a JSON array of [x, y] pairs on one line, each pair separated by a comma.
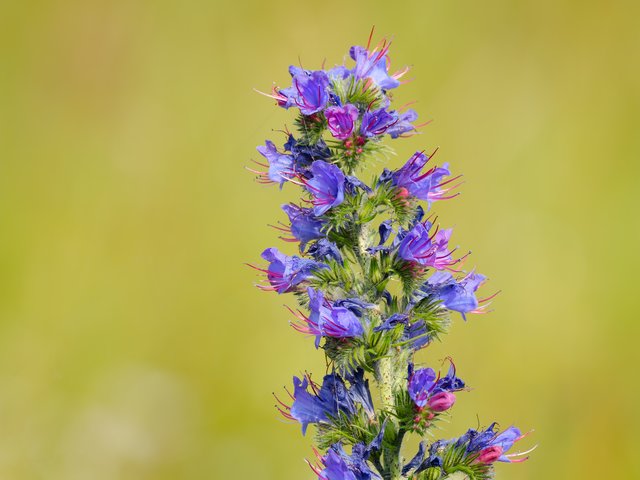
[[490, 454], [442, 401], [402, 192]]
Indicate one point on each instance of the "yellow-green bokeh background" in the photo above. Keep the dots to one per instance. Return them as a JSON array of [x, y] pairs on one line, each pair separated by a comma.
[[132, 343]]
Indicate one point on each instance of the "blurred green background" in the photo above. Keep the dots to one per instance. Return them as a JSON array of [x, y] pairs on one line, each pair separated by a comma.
[[132, 342]]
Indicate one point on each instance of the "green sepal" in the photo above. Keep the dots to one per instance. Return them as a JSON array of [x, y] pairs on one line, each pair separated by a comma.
[[347, 429], [456, 459], [361, 93], [310, 127], [348, 354]]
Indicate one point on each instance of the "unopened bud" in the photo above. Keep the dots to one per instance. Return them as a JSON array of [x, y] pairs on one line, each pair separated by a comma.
[[402, 192], [490, 454], [442, 401]]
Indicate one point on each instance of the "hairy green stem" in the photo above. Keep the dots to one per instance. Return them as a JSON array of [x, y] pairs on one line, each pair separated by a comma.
[[394, 434]]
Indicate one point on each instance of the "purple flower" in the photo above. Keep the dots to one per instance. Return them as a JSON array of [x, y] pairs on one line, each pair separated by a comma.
[[377, 122], [281, 167], [374, 65], [305, 155], [285, 272], [456, 295], [491, 446], [326, 185], [436, 393], [341, 120], [311, 94], [305, 226], [327, 319], [425, 186], [403, 125], [421, 382], [338, 465], [429, 250]]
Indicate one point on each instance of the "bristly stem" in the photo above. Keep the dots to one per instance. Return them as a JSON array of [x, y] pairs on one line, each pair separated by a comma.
[[385, 376]]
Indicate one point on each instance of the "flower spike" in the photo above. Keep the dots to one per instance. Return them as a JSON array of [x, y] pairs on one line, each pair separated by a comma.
[[374, 280]]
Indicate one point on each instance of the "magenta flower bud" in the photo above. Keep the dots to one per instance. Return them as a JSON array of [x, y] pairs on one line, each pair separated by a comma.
[[442, 401], [490, 454]]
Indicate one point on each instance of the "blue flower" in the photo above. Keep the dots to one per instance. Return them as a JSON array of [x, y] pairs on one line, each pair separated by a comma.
[[425, 389], [281, 167], [403, 125], [305, 226], [326, 185], [327, 319], [310, 88], [449, 383], [426, 249], [338, 465], [392, 321], [377, 122], [425, 186], [416, 335], [419, 463], [341, 121], [373, 65], [489, 446], [321, 405], [456, 295], [352, 184], [285, 272], [305, 155], [324, 250], [359, 390], [416, 461]]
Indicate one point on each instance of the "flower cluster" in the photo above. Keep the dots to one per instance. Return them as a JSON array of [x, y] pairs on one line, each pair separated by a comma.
[[375, 279]]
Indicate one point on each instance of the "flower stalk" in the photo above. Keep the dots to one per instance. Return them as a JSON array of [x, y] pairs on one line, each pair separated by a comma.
[[374, 277]]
